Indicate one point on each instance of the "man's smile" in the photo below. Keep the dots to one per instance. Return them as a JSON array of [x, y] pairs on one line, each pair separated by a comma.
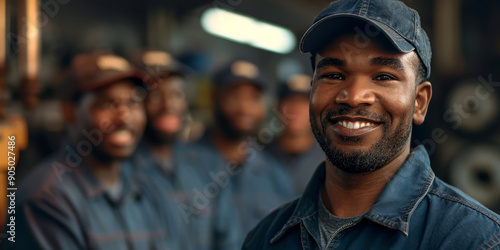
[[352, 126]]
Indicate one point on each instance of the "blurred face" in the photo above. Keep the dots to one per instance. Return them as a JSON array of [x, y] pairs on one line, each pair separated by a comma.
[[295, 109], [362, 104], [165, 108], [118, 115], [240, 109]]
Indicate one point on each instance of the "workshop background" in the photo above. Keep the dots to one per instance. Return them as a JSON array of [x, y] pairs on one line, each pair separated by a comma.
[[461, 132]]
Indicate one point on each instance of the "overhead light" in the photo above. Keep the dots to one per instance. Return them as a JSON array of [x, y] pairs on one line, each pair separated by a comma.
[[247, 30]]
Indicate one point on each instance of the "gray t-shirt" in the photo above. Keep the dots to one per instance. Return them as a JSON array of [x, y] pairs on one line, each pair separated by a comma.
[[115, 191], [329, 224]]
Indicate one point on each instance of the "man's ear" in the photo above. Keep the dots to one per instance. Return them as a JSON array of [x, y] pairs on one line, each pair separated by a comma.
[[422, 98], [68, 110]]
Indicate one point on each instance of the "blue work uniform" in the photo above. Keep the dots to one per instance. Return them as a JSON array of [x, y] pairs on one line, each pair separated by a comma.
[[249, 191], [416, 210], [179, 181], [63, 206], [301, 166]]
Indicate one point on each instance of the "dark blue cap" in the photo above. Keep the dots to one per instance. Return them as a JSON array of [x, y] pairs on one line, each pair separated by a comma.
[[239, 71], [299, 84], [399, 23]]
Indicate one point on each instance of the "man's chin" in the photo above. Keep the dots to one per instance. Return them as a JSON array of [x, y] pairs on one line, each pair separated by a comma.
[[237, 133], [168, 138], [356, 161], [120, 153], [120, 156], [244, 133], [353, 147]]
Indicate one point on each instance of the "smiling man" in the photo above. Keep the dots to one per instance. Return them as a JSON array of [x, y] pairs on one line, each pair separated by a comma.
[[295, 147], [168, 163], [249, 182], [371, 63], [87, 196]]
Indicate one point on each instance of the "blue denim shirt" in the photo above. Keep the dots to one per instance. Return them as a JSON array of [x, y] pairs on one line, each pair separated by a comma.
[[197, 216], [248, 192], [416, 210], [62, 206]]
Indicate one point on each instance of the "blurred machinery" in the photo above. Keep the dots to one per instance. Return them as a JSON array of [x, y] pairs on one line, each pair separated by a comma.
[[475, 169], [468, 152]]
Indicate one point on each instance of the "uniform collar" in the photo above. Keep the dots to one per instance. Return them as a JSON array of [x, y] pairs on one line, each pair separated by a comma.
[[144, 158], [404, 192], [394, 206], [93, 189]]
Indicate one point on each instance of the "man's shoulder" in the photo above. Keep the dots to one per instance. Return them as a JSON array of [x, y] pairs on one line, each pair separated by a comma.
[[270, 226], [456, 200], [50, 178], [454, 210]]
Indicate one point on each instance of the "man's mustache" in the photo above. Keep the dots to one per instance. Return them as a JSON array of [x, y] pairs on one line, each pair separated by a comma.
[[356, 112]]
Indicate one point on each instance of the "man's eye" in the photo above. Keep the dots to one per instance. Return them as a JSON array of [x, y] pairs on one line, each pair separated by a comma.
[[384, 77], [334, 76]]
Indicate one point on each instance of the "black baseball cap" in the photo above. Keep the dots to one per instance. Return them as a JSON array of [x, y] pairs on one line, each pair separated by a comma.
[[396, 21]]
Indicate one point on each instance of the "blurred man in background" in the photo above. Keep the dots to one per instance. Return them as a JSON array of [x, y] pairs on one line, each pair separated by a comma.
[[250, 182], [168, 163], [296, 148], [87, 196]]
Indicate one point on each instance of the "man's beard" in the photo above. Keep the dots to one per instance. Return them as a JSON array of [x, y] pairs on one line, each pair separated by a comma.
[[362, 161], [159, 138], [226, 127]]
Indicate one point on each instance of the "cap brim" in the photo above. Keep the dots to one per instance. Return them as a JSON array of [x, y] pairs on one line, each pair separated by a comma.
[[330, 26], [112, 78], [235, 80], [163, 71], [289, 93]]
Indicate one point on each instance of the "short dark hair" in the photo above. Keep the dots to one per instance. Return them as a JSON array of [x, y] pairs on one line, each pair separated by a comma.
[[421, 73]]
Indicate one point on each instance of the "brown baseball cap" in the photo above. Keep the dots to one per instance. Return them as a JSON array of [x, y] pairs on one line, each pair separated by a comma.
[[158, 63], [99, 69]]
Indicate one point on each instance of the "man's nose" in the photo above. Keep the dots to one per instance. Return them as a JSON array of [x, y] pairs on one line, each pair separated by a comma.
[[123, 112], [356, 92]]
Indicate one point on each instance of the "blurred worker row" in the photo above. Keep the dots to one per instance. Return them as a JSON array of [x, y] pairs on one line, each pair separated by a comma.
[[124, 180]]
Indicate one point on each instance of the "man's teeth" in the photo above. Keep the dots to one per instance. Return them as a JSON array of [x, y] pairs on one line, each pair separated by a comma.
[[354, 125]]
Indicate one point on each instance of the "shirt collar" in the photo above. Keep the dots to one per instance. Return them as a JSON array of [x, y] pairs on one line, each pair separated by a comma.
[[144, 158], [394, 206], [404, 192], [93, 189]]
